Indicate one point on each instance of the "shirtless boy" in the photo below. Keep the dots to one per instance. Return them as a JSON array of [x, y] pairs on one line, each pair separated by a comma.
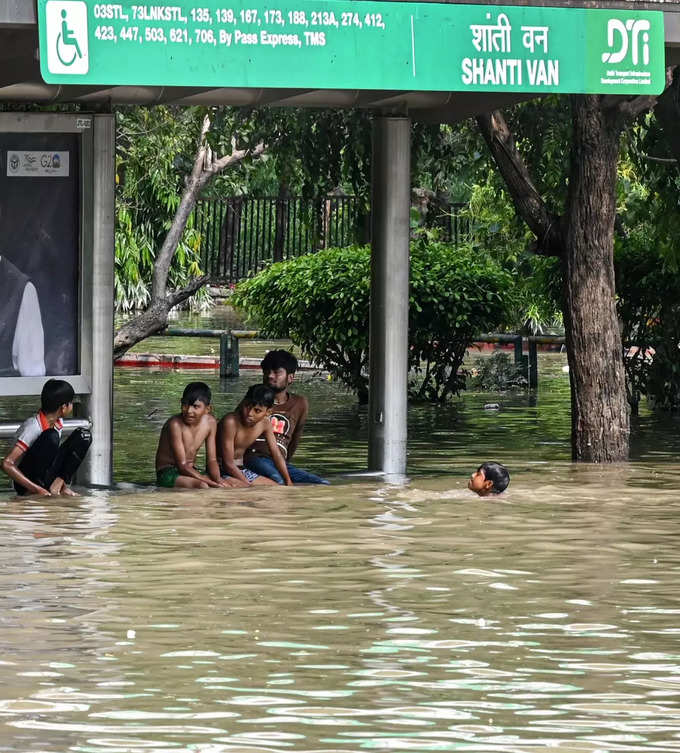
[[181, 439], [239, 429]]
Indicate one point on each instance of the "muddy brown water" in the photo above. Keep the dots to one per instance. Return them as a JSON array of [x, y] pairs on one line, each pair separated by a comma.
[[406, 616]]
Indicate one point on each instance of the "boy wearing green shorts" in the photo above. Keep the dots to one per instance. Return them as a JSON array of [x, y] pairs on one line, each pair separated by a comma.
[[181, 439]]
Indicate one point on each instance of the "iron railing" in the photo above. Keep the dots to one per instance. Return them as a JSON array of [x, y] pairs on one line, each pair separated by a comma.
[[240, 235]]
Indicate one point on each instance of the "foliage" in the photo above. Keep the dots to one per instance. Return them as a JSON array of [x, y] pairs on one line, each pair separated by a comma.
[[497, 373], [542, 129], [649, 309], [647, 250], [321, 301], [649, 191], [153, 145], [456, 293], [309, 153], [536, 303], [448, 159], [647, 260]]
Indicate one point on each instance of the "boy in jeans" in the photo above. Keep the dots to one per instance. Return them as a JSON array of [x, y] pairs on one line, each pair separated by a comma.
[[181, 439], [37, 463], [288, 416]]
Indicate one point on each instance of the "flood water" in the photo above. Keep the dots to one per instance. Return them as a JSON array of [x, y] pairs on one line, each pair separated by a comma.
[[364, 615]]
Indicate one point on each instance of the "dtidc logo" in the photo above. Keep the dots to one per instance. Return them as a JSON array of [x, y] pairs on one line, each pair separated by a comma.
[[632, 35]]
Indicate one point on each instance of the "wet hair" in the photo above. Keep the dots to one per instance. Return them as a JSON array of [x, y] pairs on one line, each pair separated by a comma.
[[497, 474], [279, 359], [196, 391], [259, 394], [55, 393]]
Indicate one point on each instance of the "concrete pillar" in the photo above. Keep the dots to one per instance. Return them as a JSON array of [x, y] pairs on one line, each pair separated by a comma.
[[98, 465], [533, 365], [388, 337]]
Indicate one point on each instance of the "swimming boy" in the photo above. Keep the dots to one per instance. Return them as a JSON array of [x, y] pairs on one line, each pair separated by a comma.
[[181, 439], [489, 478], [37, 463], [288, 417], [239, 429]]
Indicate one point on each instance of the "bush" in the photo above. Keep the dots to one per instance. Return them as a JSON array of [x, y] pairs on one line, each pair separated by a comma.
[[649, 309], [321, 301]]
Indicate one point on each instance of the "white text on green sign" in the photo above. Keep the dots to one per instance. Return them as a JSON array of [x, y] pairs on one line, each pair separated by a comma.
[[345, 44]]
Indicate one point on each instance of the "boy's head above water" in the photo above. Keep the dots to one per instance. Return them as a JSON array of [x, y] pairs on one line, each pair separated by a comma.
[[195, 401], [256, 404], [489, 478]]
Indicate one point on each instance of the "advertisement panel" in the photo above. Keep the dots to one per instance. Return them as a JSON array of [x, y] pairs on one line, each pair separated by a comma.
[[39, 254]]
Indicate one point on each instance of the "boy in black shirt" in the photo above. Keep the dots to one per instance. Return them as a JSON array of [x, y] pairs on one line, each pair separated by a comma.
[[37, 463]]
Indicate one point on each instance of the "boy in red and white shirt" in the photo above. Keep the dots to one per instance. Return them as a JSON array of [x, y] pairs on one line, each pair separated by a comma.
[[37, 463]]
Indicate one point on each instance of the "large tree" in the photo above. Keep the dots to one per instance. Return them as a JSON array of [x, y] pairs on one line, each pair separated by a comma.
[[206, 166], [582, 236]]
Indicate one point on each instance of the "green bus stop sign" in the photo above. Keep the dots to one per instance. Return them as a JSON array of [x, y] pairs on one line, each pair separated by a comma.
[[346, 44]]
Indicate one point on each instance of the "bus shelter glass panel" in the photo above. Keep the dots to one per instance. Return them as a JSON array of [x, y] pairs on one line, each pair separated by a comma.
[[40, 253]]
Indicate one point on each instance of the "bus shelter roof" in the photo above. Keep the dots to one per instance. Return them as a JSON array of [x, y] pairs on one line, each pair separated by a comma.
[[21, 81]]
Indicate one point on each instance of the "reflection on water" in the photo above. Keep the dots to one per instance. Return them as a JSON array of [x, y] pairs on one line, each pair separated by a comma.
[[354, 617]]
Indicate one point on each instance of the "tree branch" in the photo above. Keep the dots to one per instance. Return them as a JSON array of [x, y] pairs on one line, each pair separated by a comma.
[[236, 156], [177, 296], [527, 200], [629, 109], [662, 160], [667, 112], [163, 260]]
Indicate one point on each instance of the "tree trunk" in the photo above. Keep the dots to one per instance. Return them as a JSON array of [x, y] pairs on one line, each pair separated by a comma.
[[599, 410], [153, 319], [140, 327], [584, 240]]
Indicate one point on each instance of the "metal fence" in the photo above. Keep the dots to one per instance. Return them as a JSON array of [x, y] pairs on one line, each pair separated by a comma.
[[240, 235]]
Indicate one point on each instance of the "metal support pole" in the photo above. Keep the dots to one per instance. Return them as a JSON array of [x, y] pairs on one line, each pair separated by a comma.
[[518, 350], [533, 365], [229, 355], [388, 331], [98, 465]]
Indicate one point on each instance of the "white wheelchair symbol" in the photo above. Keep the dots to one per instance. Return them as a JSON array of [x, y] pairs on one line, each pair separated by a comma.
[[67, 39]]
